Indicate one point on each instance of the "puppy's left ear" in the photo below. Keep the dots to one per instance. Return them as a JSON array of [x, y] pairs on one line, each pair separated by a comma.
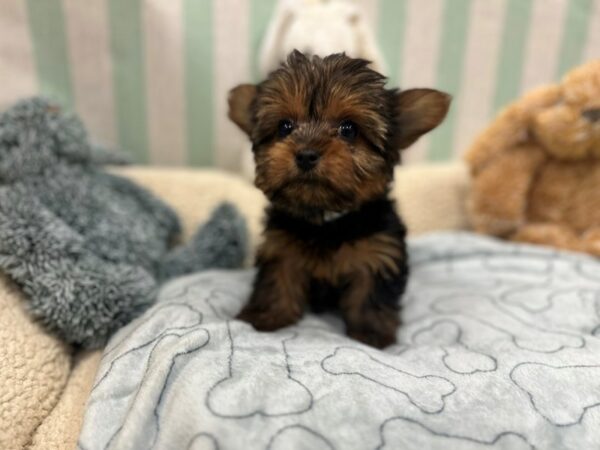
[[417, 111], [240, 106]]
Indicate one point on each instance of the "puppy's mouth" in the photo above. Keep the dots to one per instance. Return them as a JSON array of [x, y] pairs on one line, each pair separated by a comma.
[[311, 192]]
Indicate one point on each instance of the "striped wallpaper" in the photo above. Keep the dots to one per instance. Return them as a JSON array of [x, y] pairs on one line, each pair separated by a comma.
[[151, 76]]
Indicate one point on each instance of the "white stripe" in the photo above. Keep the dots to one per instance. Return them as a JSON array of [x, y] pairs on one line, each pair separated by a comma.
[[479, 71], [17, 74], [370, 8], [592, 48], [231, 67], [420, 55], [163, 52], [544, 42], [91, 72]]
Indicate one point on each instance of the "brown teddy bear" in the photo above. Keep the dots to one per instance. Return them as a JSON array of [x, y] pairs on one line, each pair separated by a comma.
[[536, 168]]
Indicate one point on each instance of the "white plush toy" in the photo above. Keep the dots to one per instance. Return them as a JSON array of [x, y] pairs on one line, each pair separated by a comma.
[[317, 27]]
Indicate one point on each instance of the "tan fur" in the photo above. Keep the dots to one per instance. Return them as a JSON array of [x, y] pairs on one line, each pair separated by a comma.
[[279, 300], [419, 111], [240, 100], [375, 254], [282, 300], [337, 111], [536, 169], [347, 175], [317, 95], [376, 326]]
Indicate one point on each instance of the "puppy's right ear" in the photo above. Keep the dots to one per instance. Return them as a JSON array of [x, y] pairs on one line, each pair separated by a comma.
[[418, 111], [240, 106]]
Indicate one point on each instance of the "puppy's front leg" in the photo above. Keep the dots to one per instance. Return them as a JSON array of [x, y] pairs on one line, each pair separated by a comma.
[[278, 298], [369, 307]]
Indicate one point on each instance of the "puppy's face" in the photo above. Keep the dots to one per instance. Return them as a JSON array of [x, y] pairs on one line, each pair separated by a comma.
[[326, 133]]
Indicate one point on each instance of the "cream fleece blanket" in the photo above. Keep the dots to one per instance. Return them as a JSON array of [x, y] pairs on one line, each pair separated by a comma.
[[34, 368], [43, 387]]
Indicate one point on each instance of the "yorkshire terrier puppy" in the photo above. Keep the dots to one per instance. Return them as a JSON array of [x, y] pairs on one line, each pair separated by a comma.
[[326, 136]]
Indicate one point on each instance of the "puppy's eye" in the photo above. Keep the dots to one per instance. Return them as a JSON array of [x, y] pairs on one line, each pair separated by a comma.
[[348, 129], [285, 127]]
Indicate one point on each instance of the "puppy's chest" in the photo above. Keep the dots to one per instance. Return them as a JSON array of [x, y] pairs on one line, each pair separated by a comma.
[[381, 253]]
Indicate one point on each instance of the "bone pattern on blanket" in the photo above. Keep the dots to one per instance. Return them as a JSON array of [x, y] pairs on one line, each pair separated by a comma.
[[458, 356], [425, 392], [527, 336], [476, 367], [403, 432], [567, 402], [246, 379], [299, 437]]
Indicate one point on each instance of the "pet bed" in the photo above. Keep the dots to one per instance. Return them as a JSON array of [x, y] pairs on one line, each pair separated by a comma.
[[500, 349]]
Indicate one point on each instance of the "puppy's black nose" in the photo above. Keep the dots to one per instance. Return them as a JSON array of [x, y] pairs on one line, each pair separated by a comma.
[[593, 115], [307, 159]]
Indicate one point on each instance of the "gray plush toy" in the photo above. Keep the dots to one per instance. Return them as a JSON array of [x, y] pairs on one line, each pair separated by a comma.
[[88, 248]]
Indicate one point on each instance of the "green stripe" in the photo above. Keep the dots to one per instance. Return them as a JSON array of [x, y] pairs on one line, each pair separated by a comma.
[[260, 15], [128, 76], [391, 26], [510, 64], [47, 27], [449, 71], [198, 48], [575, 33]]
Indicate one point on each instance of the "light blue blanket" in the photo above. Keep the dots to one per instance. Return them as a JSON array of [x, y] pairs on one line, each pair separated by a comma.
[[500, 349]]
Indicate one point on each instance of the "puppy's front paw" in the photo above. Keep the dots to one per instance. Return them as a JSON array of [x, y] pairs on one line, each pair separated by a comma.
[[268, 320], [374, 338]]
